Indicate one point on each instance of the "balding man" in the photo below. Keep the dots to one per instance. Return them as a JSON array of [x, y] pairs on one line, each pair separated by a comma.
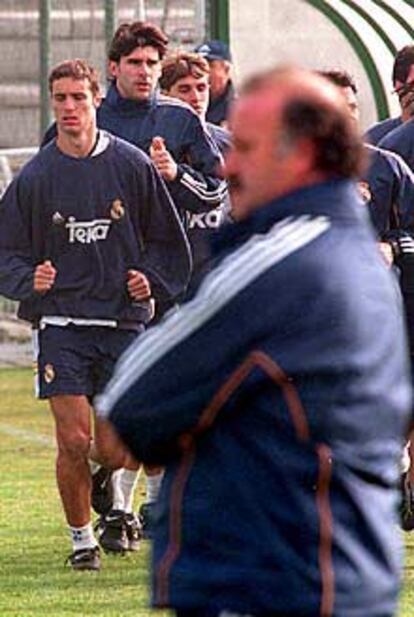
[[278, 396]]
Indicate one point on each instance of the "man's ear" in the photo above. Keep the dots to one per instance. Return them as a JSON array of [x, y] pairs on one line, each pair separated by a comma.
[[113, 68]]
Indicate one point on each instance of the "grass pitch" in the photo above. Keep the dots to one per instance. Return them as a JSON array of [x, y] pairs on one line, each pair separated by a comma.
[[33, 536], [34, 540]]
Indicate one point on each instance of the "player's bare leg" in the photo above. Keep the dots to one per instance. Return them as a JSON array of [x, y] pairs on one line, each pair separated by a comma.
[[73, 433]]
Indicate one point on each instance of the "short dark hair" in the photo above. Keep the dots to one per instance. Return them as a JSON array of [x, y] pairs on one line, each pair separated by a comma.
[[76, 69], [403, 62], [181, 64], [340, 78], [136, 34]]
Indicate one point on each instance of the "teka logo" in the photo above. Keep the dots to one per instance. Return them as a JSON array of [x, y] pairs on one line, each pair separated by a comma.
[[205, 220], [89, 231], [57, 219]]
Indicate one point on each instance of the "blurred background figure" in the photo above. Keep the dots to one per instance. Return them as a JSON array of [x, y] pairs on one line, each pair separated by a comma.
[[222, 92], [403, 82], [387, 190]]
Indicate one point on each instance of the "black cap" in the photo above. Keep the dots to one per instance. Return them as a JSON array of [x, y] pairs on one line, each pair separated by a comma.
[[214, 50]]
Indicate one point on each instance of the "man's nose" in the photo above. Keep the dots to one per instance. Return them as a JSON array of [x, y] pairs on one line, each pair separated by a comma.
[[144, 69], [195, 96], [68, 103]]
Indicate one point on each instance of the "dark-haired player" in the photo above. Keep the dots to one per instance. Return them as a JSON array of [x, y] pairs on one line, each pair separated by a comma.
[[134, 109]]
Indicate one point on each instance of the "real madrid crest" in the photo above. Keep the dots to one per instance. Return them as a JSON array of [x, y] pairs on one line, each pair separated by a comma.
[[57, 219], [364, 192], [117, 210], [49, 373]]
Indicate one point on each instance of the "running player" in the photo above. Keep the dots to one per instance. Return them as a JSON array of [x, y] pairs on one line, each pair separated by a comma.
[[89, 242]]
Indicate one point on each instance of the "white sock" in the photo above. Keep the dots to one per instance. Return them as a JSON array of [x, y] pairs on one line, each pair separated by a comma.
[[124, 482], [82, 537], [153, 487]]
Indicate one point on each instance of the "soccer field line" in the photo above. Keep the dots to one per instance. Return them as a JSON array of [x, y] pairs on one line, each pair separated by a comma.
[[31, 436]]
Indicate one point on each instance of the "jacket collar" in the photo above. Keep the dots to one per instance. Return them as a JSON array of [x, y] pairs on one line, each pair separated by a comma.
[[121, 104]]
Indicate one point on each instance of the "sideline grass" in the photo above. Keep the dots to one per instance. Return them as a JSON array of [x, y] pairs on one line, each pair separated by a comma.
[[407, 594], [33, 536], [34, 541]]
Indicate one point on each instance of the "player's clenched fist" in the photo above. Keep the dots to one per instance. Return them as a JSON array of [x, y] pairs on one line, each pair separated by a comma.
[[44, 277], [138, 285]]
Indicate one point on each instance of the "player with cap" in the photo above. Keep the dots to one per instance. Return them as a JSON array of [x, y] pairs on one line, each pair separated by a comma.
[[222, 91]]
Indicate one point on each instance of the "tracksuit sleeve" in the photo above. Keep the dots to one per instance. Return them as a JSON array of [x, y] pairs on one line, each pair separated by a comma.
[[16, 261], [198, 187]]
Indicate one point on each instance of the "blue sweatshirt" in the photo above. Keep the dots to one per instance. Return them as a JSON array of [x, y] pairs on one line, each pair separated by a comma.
[[197, 186], [198, 190], [94, 218], [392, 207], [401, 141], [387, 188], [378, 130]]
